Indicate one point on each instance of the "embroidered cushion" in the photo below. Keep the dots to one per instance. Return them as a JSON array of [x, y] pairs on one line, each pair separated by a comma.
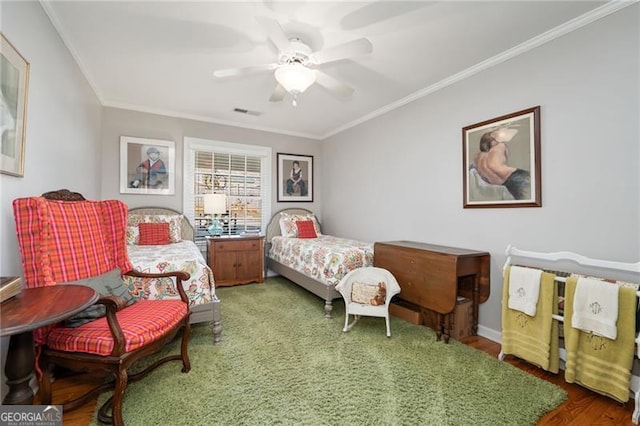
[[369, 294], [142, 322], [306, 229], [154, 234]]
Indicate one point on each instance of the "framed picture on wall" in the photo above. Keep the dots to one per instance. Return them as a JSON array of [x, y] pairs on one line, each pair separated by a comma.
[[295, 178], [147, 166], [501, 161], [14, 86]]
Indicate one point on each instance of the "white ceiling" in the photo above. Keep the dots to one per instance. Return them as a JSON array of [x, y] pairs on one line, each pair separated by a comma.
[[159, 56]]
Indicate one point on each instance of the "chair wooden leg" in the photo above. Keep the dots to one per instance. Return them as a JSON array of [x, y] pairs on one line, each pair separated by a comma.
[[186, 364], [118, 396]]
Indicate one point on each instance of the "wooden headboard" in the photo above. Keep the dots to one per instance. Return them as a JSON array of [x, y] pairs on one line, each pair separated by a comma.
[[273, 228], [186, 229]]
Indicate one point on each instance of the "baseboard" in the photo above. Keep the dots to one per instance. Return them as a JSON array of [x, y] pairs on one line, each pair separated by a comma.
[[490, 334]]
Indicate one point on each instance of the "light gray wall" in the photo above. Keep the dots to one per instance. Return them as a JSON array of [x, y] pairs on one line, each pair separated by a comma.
[[62, 126], [400, 176], [120, 122]]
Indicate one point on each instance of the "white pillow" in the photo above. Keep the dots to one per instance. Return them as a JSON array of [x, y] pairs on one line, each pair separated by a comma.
[[288, 226]]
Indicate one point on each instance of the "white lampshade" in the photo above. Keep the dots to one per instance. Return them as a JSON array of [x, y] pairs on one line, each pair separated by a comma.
[[295, 77], [215, 203]]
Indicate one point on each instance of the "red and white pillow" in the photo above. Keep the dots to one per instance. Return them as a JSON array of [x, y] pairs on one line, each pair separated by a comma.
[[154, 234], [306, 229], [289, 227], [174, 221]]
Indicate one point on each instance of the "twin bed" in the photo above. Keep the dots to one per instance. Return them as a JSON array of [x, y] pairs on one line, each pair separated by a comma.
[[316, 264], [181, 254]]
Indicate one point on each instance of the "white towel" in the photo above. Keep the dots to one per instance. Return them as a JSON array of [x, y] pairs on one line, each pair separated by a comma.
[[595, 307], [524, 288]]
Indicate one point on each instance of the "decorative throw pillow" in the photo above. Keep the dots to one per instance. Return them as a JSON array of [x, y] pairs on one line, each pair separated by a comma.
[[288, 226], [154, 234], [135, 219], [306, 229], [108, 284], [369, 294], [313, 219], [133, 235], [174, 221]]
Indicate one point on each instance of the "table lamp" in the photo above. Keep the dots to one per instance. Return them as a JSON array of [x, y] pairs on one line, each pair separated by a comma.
[[214, 204]]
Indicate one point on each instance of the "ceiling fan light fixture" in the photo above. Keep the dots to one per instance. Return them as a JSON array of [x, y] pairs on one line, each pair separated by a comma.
[[295, 77]]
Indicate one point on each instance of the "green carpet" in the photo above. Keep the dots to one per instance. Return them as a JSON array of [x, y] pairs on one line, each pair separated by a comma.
[[281, 362]]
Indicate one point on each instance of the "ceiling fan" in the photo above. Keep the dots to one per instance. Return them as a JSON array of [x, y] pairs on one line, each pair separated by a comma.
[[295, 70]]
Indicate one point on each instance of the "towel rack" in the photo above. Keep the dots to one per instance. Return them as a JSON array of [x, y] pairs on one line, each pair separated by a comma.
[[609, 269]]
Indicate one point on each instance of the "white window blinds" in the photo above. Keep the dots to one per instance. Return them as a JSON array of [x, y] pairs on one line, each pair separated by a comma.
[[241, 172]]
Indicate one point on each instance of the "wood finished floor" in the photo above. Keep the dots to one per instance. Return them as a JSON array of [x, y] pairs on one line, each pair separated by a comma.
[[582, 408]]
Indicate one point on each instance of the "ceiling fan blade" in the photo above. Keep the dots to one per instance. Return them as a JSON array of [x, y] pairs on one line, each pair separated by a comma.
[[275, 33], [278, 94], [232, 72], [360, 46], [335, 86]]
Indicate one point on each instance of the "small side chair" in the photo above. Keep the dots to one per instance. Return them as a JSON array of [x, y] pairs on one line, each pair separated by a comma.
[[367, 292]]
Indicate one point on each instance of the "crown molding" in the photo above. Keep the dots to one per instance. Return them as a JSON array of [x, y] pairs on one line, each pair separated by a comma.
[[65, 39], [570, 26], [202, 118]]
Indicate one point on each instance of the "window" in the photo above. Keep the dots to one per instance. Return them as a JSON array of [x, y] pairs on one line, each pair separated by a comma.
[[241, 172]]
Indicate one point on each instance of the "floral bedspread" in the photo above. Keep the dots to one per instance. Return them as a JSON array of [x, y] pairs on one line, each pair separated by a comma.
[[326, 259], [182, 256]]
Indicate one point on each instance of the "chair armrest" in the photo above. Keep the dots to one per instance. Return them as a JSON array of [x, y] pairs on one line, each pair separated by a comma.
[[180, 276], [113, 305]]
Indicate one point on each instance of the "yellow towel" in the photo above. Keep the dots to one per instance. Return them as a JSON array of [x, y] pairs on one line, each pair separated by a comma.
[[600, 364], [534, 339]]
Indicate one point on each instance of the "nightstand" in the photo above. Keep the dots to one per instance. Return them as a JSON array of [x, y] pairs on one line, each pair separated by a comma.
[[236, 259]]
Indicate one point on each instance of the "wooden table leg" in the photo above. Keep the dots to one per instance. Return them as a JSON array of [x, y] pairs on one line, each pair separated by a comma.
[[447, 327], [439, 325], [19, 369], [476, 304]]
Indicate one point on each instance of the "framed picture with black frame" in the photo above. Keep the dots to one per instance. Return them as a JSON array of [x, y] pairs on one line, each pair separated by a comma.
[[501, 161], [295, 178]]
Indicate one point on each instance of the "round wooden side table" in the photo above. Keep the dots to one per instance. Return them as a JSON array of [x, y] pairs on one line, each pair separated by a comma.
[[20, 315]]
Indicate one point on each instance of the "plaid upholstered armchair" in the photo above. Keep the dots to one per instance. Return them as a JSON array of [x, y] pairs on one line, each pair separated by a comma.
[[72, 240]]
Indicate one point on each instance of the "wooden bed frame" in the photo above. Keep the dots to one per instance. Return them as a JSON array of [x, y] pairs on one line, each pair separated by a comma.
[[205, 312], [320, 289]]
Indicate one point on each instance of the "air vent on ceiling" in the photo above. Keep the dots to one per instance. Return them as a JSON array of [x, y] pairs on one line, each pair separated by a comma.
[[246, 111]]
